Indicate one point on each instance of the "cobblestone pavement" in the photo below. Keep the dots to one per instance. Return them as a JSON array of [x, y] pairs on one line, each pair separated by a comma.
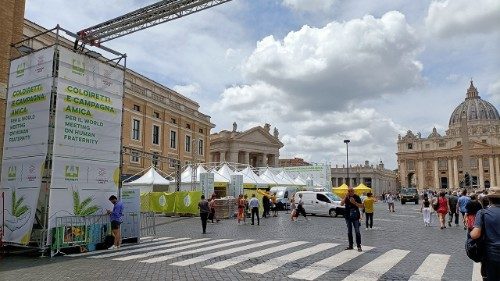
[[398, 248]]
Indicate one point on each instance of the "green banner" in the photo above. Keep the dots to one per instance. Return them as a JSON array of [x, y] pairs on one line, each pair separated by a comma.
[[186, 202]]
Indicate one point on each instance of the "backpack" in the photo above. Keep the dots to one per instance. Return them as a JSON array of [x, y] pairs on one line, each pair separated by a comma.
[[476, 248]]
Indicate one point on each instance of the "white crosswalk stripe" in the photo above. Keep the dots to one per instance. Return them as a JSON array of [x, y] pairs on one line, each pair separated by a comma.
[[321, 267], [126, 247], [432, 269], [242, 258], [170, 250], [376, 268], [282, 260], [166, 244], [195, 251], [222, 253]]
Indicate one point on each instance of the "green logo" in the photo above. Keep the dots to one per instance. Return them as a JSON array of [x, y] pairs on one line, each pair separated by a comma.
[[78, 67], [12, 173], [20, 69], [71, 172]]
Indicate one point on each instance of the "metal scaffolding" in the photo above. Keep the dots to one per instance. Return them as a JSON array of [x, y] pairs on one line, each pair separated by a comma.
[[143, 18]]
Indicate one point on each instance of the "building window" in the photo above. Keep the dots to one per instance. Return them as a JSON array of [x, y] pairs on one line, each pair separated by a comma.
[[173, 121], [427, 145], [442, 144], [171, 163], [188, 126], [459, 143], [154, 160], [134, 157], [200, 147], [156, 134], [188, 144], [173, 139], [137, 108], [201, 131], [411, 165], [156, 115], [410, 146], [483, 141], [136, 129]]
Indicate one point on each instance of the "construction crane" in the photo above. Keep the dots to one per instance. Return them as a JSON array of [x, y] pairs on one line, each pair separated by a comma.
[[154, 14]]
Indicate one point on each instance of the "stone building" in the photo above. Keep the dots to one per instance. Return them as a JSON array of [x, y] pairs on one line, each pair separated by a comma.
[[255, 146], [376, 177], [158, 123], [466, 156], [293, 162]]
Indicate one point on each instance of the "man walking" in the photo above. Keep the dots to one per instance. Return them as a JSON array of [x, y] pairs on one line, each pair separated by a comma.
[[204, 211], [452, 207], [390, 202], [116, 219], [254, 206], [352, 203], [462, 206]]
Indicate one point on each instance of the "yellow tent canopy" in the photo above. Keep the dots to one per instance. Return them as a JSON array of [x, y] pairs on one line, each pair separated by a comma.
[[341, 190], [361, 188]]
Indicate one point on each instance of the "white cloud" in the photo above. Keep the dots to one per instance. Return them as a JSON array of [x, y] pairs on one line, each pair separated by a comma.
[[309, 5], [187, 90], [330, 67], [494, 92], [457, 17]]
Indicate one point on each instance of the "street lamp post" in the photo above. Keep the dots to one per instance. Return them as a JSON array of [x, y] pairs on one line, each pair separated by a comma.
[[347, 159]]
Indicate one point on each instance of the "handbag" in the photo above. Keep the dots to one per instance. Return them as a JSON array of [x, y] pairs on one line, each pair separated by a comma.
[[475, 248], [435, 206], [354, 214]]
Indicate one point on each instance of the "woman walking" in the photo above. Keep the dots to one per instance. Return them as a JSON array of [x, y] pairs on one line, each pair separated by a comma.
[[472, 207], [425, 209], [293, 208], [486, 224], [442, 209], [241, 208], [211, 204]]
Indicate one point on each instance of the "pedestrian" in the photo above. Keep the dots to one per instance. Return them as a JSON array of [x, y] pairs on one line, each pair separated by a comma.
[[390, 201], [352, 203], [212, 214], [300, 208], [241, 208], [486, 224], [462, 203], [453, 209], [254, 206], [426, 210], [273, 205], [265, 206], [368, 207], [442, 209], [472, 207], [116, 218], [293, 208], [247, 209], [204, 207]]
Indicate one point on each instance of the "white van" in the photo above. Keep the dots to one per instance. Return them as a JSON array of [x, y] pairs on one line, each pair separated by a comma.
[[283, 195], [321, 203]]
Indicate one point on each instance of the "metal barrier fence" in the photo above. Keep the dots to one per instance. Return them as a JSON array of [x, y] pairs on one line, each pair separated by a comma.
[[148, 224], [74, 231]]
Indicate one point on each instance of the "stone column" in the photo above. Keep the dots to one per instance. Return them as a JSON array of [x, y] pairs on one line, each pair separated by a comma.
[[456, 184], [403, 173], [436, 175], [233, 156], [246, 157], [265, 160], [481, 173], [450, 174], [421, 178], [493, 180], [497, 169], [222, 156]]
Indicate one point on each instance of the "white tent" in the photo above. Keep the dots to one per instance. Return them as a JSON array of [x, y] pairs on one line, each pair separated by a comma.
[[268, 177], [186, 176], [150, 179], [218, 178], [225, 171], [249, 177], [284, 178], [299, 180]]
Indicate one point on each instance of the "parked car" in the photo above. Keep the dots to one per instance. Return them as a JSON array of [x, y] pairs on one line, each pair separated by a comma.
[[409, 195], [283, 195], [321, 203]]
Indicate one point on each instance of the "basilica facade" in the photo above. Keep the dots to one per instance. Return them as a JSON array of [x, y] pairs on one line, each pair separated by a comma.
[[466, 156]]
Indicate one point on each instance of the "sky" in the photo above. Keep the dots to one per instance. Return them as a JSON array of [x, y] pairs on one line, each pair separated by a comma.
[[320, 71]]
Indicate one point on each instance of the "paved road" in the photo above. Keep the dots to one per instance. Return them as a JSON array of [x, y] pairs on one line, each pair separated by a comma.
[[398, 248]]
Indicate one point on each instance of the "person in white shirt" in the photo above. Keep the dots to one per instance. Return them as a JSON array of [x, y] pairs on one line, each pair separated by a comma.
[[254, 207], [390, 201]]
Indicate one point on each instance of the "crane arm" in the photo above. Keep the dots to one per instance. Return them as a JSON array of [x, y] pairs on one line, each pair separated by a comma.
[[154, 14]]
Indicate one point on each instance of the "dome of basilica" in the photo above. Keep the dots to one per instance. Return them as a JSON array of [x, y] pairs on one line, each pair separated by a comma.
[[476, 109]]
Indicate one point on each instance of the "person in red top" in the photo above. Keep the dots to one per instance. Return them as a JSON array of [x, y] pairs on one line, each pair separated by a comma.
[[442, 209], [241, 208]]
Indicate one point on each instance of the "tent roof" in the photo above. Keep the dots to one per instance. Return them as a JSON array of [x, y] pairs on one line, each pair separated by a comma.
[[343, 186], [151, 177], [268, 177], [299, 180], [284, 178], [250, 177], [362, 186]]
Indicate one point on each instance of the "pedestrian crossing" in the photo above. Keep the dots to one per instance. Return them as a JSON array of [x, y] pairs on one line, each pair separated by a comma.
[[300, 260]]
